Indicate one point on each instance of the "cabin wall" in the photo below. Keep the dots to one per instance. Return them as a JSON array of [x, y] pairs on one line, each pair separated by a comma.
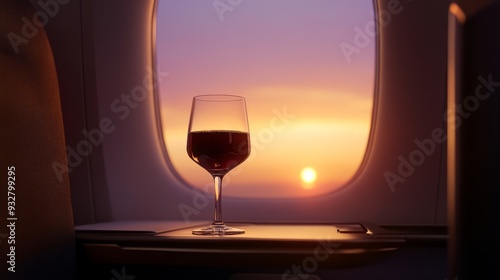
[[104, 53]]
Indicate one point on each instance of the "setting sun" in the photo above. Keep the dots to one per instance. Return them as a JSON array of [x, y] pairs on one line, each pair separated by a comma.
[[308, 176]]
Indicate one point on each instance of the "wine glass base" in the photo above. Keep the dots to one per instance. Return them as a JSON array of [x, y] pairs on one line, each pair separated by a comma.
[[218, 230]]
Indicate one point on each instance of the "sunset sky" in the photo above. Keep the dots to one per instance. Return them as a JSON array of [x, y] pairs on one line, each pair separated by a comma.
[[307, 105]]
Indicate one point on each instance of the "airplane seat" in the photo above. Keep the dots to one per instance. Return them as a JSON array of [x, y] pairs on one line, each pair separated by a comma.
[[474, 194], [39, 237]]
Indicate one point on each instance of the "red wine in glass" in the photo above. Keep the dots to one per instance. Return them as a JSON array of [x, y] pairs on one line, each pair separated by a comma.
[[218, 151], [218, 141]]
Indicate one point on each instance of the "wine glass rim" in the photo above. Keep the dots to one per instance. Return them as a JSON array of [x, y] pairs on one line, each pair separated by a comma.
[[218, 97]]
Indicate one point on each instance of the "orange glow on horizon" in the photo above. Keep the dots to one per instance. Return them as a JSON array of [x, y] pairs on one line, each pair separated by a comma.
[[269, 169]]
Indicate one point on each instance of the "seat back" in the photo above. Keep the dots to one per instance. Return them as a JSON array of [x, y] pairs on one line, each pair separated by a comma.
[[41, 231]]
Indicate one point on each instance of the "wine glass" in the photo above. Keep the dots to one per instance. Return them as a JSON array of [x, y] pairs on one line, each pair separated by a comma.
[[218, 141]]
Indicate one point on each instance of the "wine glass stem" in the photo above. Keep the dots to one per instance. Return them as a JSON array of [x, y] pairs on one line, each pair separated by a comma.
[[218, 201]]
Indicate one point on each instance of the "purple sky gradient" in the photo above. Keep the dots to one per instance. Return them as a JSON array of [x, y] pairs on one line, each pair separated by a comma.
[[278, 54]]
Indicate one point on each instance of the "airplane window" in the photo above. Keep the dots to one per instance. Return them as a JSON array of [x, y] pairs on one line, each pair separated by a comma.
[[306, 69]]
